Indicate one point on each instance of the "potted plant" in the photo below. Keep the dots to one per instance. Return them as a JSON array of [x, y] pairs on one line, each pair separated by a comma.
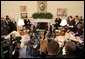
[[42, 15]]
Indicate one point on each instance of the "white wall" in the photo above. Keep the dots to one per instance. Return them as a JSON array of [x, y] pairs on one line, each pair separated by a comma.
[[73, 7], [12, 8]]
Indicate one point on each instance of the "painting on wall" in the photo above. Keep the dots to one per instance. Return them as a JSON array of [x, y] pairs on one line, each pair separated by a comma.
[[42, 6], [23, 8], [61, 12], [23, 15]]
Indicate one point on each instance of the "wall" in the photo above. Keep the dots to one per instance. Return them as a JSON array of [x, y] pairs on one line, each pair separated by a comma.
[[73, 7], [12, 8]]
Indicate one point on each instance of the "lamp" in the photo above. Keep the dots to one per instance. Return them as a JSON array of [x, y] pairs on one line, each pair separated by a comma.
[[20, 23], [63, 22]]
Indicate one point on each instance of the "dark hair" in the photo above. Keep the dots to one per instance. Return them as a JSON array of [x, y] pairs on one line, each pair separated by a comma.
[[70, 47], [70, 16], [52, 46], [77, 16], [78, 24], [7, 16]]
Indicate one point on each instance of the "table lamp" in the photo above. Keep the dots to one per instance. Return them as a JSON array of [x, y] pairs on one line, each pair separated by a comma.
[[20, 23], [63, 22]]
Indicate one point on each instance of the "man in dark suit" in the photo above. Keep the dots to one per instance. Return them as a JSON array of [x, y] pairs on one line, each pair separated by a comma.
[[78, 30], [71, 21], [57, 22], [48, 30], [27, 23]]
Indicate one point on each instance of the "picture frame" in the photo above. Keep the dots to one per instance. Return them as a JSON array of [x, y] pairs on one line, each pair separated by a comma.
[[23, 8], [23, 15], [42, 6], [61, 12]]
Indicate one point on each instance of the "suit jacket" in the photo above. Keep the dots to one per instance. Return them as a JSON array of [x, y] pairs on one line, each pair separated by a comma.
[[72, 22], [25, 21], [58, 21]]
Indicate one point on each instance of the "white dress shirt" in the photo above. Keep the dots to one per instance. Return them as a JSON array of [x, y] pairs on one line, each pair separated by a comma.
[[23, 46], [24, 40]]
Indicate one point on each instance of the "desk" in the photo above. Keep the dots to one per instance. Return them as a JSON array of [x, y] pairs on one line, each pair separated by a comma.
[[60, 32]]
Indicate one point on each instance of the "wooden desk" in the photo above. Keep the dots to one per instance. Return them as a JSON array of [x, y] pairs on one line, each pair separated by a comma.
[[60, 33]]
